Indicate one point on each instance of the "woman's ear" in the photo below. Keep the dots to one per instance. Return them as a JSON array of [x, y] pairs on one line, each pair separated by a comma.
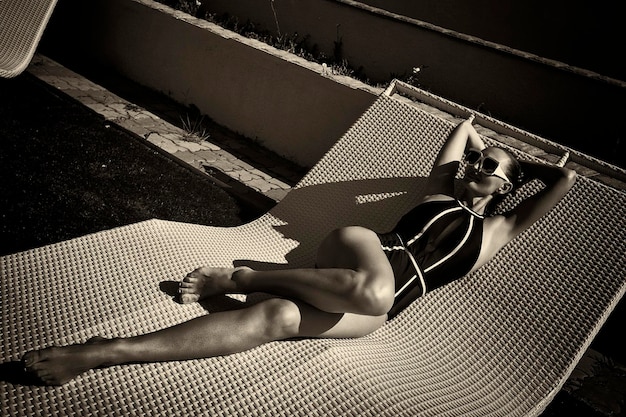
[[505, 188]]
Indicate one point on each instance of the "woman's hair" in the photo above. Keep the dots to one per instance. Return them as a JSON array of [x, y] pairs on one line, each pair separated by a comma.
[[513, 171]]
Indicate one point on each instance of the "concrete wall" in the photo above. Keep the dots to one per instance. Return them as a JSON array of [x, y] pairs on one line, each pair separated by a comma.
[[565, 104], [583, 34], [264, 94]]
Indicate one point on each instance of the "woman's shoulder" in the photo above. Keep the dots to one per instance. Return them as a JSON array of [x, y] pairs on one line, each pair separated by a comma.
[[437, 198]]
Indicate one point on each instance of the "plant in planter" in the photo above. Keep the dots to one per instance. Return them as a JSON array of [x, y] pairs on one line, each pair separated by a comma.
[[294, 43]]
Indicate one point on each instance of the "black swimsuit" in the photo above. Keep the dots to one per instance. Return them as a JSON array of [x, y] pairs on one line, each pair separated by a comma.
[[435, 243]]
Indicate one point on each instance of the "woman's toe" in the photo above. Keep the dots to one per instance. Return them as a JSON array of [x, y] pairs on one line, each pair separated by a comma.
[[188, 298], [31, 358], [186, 284]]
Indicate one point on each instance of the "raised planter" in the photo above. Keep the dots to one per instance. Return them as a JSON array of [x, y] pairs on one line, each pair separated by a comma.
[[543, 96], [286, 103], [291, 106]]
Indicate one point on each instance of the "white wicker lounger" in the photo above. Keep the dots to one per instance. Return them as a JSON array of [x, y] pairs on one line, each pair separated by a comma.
[[22, 23], [499, 342]]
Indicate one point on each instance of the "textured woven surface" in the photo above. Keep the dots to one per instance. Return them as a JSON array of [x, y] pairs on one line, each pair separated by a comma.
[[499, 342], [22, 23]]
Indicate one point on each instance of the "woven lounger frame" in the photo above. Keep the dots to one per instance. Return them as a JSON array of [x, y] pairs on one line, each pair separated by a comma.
[[22, 23], [498, 342]]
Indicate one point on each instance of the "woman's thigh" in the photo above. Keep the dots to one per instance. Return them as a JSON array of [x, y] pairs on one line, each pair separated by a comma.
[[318, 323], [355, 248], [359, 249]]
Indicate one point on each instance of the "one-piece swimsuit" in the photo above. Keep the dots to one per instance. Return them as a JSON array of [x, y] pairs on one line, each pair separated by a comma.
[[434, 244]]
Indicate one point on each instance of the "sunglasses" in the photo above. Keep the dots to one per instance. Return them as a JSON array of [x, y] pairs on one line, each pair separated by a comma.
[[486, 164]]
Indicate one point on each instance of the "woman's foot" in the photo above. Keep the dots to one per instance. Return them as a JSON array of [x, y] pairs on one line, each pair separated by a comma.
[[205, 282], [58, 365]]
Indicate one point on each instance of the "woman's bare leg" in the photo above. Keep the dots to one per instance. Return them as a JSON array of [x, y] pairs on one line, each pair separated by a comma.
[[205, 336], [352, 275], [347, 296]]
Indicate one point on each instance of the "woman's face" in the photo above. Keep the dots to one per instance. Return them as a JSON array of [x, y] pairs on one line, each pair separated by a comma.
[[481, 184]]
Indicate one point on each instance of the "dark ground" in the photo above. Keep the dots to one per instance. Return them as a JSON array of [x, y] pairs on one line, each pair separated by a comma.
[[65, 172]]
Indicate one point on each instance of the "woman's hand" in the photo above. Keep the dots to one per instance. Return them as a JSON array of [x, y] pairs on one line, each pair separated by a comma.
[[558, 181], [474, 140], [462, 137], [549, 174]]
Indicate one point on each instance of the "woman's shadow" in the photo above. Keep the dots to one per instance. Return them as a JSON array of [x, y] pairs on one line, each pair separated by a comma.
[[14, 373], [307, 214]]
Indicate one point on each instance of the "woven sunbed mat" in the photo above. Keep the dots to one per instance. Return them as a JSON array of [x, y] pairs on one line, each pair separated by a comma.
[[501, 341]]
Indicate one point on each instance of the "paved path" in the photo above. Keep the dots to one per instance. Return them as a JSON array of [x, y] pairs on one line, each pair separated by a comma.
[[212, 155]]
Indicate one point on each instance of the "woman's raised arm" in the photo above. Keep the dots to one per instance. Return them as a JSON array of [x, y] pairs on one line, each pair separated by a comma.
[[462, 137], [558, 181]]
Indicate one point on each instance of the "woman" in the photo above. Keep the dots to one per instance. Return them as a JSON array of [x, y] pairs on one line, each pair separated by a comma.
[[361, 278]]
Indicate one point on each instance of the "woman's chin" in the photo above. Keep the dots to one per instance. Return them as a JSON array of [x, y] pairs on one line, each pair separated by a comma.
[[473, 188], [469, 183]]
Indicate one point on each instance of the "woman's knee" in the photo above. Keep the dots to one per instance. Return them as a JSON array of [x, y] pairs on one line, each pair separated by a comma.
[[343, 237], [281, 318], [358, 249], [374, 293], [349, 234]]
